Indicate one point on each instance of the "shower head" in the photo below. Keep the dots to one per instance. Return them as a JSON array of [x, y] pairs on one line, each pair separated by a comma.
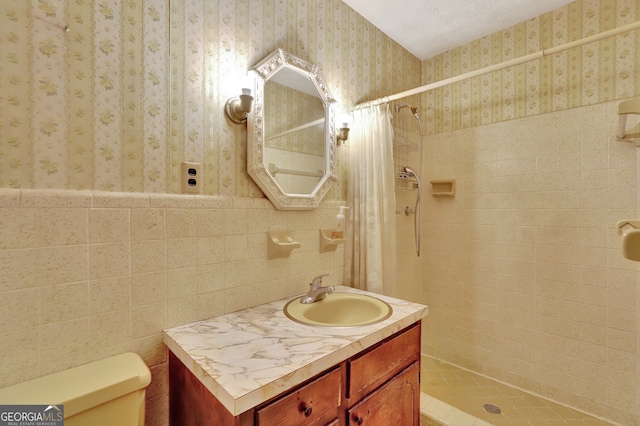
[[410, 171]]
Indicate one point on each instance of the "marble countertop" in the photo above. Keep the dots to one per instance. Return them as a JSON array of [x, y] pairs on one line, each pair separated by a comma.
[[247, 357]]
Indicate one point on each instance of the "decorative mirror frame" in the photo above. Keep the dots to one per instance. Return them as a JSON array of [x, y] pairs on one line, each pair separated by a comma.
[[256, 168]]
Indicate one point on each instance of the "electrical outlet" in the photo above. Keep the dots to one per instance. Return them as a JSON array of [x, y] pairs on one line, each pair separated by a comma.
[[192, 178]]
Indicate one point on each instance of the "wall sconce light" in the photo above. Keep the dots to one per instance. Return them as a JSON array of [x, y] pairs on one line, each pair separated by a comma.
[[343, 134], [343, 131], [236, 109]]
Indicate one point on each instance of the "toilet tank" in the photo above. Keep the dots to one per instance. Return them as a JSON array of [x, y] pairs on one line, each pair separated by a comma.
[[106, 392]]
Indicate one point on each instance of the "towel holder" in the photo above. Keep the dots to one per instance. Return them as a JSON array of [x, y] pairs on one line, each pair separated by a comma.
[[629, 230]]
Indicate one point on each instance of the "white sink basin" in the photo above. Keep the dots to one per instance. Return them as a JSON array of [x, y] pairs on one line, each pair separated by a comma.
[[339, 310]]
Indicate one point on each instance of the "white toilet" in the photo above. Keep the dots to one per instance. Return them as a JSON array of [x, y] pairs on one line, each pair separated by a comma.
[[103, 393]]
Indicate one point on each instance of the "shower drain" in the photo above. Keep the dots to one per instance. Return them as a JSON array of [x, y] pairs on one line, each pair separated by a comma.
[[493, 409]]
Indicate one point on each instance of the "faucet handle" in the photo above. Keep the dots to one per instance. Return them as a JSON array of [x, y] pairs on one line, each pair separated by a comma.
[[316, 283]]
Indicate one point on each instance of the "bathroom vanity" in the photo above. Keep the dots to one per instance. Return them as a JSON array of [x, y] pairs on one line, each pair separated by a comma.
[[257, 367]]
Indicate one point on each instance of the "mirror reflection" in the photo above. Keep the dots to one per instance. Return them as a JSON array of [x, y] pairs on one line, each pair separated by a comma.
[[294, 132], [291, 133]]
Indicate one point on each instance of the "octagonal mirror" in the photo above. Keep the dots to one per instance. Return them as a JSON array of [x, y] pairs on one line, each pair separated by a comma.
[[291, 132]]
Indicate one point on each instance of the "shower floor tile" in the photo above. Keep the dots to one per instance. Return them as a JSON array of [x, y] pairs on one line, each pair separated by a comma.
[[469, 393]]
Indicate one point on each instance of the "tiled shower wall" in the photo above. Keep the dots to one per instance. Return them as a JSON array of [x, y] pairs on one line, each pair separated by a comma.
[[522, 269]]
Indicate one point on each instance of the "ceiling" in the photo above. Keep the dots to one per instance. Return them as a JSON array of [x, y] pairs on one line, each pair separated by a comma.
[[429, 27]]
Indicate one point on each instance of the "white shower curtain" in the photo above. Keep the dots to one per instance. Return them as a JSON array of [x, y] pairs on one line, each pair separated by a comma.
[[371, 235]]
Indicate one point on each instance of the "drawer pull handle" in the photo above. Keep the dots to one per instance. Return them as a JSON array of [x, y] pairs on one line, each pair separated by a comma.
[[358, 420], [306, 410]]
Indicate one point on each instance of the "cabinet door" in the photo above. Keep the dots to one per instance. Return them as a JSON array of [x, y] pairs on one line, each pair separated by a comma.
[[395, 403], [314, 404], [373, 368]]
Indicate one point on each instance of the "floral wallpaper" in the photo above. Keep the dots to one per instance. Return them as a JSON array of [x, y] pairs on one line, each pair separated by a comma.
[[594, 73], [134, 88], [214, 43], [86, 88]]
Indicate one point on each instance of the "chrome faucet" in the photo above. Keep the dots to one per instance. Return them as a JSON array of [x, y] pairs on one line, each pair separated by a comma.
[[316, 291]]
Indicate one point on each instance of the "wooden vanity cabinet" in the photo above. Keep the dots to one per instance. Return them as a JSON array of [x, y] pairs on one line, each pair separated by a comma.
[[377, 387], [383, 386]]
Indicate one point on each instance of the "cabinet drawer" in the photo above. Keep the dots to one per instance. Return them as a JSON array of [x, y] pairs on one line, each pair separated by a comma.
[[395, 403], [315, 403], [375, 367]]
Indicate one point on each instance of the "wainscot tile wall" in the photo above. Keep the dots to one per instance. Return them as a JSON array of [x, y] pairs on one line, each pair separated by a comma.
[[85, 275]]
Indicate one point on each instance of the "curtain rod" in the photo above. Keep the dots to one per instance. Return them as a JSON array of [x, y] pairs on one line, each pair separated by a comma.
[[491, 68]]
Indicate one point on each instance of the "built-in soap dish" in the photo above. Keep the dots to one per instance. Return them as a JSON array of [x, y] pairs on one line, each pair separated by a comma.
[[443, 188], [327, 243], [280, 244]]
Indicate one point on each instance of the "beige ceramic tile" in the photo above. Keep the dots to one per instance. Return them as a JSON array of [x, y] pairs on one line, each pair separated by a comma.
[[18, 312], [9, 198], [213, 202], [19, 356], [211, 304], [110, 294], [242, 297], [148, 288], [108, 225], [58, 340], [110, 328], [181, 223], [20, 269], [180, 311], [257, 246], [120, 200], [109, 260], [148, 319], [151, 349], [211, 250], [244, 272], [147, 224], [64, 302], [19, 228], [182, 282], [211, 278], [63, 226], [172, 201], [148, 256], [182, 253], [64, 264], [235, 248], [48, 198], [251, 203], [210, 222], [235, 221]]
